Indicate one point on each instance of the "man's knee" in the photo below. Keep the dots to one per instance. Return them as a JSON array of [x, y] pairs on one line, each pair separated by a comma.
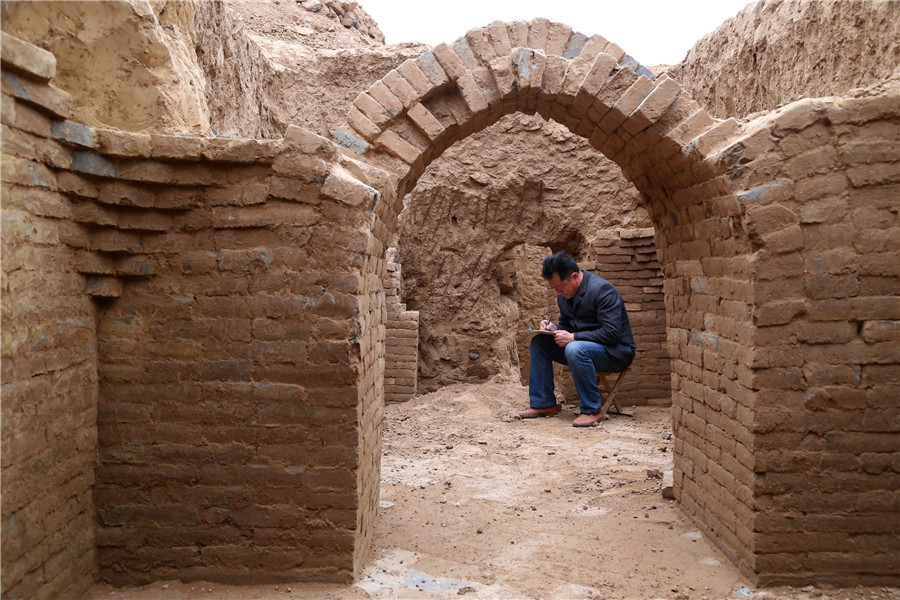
[[575, 350]]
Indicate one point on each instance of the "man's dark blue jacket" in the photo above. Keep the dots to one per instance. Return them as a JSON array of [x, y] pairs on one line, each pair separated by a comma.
[[596, 313]]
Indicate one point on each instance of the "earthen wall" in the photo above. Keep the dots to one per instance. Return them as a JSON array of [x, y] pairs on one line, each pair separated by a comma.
[[49, 347]]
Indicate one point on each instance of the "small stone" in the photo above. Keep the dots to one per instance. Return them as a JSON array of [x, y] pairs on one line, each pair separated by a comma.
[[478, 531], [654, 474]]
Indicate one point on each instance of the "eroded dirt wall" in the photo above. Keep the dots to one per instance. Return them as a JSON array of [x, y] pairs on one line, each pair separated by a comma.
[[49, 348], [775, 52], [270, 64], [124, 67]]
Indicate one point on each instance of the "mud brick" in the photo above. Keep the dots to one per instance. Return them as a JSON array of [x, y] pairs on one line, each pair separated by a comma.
[[880, 331], [499, 38], [471, 93], [411, 72], [27, 118], [529, 67], [40, 202], [819, 186], [426, 121], [308, 168], [481, 46], [106, 287], [653, 106], [93, 164], [397, 146], [383, 96], [401, 89], [52, 99], [175, 147], [429, 65], [451, 62], [874, 174], [372, 110], [24, 145], [27, 58], [291, 189], [121, 143], [27, 173], [467, 57]]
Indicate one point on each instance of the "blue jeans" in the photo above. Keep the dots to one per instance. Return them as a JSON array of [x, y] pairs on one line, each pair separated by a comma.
[[584, 359]]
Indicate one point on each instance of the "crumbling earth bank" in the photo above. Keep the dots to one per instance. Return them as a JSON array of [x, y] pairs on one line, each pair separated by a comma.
[[775, 52]]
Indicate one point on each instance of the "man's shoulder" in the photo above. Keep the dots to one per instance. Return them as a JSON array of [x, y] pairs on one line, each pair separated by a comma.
[[595, 281]]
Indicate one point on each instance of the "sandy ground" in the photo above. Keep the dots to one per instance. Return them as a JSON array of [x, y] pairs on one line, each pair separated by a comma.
[[476, 503]]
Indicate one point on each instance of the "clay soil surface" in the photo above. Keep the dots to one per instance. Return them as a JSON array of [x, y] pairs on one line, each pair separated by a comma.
[[478, 504]]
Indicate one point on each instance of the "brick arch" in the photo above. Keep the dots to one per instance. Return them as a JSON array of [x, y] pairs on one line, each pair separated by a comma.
[[649, 126], [680, 158]]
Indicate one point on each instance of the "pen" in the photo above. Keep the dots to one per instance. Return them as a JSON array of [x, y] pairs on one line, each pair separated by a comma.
[[549, 322]]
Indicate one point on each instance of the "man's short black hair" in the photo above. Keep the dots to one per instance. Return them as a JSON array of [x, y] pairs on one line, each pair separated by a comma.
[[561, 264]]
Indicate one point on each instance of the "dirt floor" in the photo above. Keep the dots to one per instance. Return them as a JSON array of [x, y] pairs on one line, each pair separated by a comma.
[[476, 503]]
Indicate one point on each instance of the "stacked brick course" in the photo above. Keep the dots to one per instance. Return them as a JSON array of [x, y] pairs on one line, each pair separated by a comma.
[[49, 349], [627, 258], [231, 367], [401, 365]]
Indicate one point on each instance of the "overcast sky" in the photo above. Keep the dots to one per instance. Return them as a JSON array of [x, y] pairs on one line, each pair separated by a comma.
[[654, 32]]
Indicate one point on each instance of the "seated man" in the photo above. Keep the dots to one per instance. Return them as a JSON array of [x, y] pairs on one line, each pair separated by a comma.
[[592, 335]]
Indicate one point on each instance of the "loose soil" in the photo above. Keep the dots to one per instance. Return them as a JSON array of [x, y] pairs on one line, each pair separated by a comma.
[[476, 503]]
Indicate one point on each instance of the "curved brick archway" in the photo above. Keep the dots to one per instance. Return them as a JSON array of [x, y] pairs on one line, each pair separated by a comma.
[[749, 304], [650, 127], [667, 146]]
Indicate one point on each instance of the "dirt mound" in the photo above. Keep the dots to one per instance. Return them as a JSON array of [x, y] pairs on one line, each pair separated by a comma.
[[776, 52]]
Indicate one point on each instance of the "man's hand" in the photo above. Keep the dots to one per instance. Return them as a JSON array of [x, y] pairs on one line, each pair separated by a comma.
[[547, 326], [562, 337]]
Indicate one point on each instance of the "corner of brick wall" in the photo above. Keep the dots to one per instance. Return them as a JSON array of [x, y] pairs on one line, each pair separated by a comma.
[[627, 259], [401, 366], [49, 347]]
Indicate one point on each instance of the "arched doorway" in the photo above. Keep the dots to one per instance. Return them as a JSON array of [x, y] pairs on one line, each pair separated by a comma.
[[662, 140]]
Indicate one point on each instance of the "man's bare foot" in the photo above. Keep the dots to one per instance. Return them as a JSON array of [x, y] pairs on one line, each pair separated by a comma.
[[534, 413], [584, 420]]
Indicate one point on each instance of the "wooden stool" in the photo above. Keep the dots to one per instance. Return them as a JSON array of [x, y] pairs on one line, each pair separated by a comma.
[[610, 392]]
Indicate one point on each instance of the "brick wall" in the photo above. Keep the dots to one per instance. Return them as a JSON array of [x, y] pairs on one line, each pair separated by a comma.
[[821, 182], [627, 259], [401, 367], [49, 349]]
